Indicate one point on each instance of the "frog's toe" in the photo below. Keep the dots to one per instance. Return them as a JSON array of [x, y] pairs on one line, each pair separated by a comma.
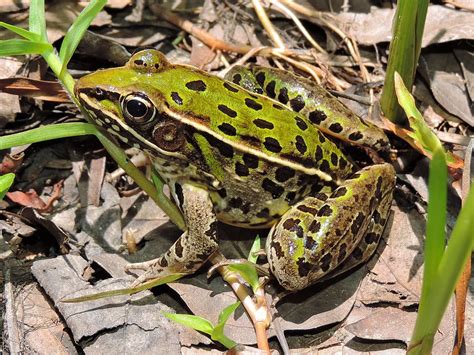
[[142, 266]]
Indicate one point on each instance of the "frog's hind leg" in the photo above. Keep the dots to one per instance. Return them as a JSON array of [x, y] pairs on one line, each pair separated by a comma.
[[320, 233], [194, 246]]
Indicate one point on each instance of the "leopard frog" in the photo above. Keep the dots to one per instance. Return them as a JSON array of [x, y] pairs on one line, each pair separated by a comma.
[[261, 149]]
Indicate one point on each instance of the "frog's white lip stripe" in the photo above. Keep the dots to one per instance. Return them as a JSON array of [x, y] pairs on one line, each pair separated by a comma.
[[125, 127], [256, 152]]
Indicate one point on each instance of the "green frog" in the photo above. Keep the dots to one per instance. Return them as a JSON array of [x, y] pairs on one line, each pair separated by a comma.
[[263, 148]]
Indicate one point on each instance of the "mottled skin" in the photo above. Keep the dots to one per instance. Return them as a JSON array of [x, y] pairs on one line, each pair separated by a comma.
[[242, 158]]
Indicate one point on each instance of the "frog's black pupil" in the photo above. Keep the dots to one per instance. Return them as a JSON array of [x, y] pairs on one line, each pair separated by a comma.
[[136, 108]]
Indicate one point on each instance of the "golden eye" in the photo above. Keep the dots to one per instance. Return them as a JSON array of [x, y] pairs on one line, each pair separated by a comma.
[[137, 108]]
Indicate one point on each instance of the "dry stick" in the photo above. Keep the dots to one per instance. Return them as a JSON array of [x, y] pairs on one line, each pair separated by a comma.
[[267, 24], [216, 43], [286, 11]]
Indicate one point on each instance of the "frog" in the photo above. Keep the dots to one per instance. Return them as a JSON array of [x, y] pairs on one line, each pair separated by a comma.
[[260, 148]]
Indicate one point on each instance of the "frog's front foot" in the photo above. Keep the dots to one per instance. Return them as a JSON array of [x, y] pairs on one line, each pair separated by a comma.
[[193, 247]]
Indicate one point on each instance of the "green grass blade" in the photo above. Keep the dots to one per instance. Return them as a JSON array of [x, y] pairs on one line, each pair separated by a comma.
[[5, 182], [248, 272], [191, 321], [125, 291], [37, 22], [44, 133], [12, 47], [226, 312], [436, 223], [256, 246], [22, 32], [77, 29]]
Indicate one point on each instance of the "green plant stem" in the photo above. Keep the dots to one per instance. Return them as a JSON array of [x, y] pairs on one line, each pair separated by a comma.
[[409, 22]]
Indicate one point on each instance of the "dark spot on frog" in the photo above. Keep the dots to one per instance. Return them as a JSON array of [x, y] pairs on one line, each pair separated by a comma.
[[376, 216], [301, 124], [284, 173], [241, 169], [157, 65], [276, 246], [319, 153], [338, 232], [357, 223], [290, 196], [263, 213], [272, 145], [260, 78], [212, 231], [178, 189], [324, 166], [334, 159], [304, 267], [317, 116], [325, 262], [314, 227], [307, 209], [225, 149], [355, 136], [283, 96], [246, 208], [357, 254], [263, 124], [235, 202], [196, 85], [138, 62], [341, 191], [297, 103], [371, 238], [222, 193], [310, 243], [178, 248], [355, 176], [250, 160], [228, 111], [325, 211], [301, 145], [176, 98], [237, 78], [227, 129], [270, 89], [342, 253], [230, 87], [378, 187], [293, 225], [270, 186], [336, 127], [278, 106], [321, 137], [251, 140], [253, 104]]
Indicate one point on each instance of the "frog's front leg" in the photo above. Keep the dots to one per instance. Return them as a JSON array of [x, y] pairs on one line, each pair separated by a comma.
[[194, 246], [321, 233]]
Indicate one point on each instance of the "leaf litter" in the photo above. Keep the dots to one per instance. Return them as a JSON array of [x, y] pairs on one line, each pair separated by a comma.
[[96, 214]]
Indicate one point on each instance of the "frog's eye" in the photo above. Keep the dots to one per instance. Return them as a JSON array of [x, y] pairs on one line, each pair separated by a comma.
[[137, 108]]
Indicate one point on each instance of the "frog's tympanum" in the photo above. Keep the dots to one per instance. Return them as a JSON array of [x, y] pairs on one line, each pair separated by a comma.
[[261, 149]]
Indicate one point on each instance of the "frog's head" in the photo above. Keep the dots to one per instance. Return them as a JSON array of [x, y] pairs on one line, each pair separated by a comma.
[[128, 103]]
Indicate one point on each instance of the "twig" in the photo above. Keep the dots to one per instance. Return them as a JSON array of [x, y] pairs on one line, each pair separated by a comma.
[[267, 24], [286, 11]]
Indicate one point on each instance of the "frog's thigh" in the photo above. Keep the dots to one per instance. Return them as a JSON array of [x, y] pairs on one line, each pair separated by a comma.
[[318, 234], [194, 246]]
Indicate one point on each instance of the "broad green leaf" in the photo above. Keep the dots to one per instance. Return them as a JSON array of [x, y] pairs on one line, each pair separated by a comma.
[[22, 47], [191, 321], [77, 29], [218, 331], [256, 246], [22, 32], [37, 22], [248, 273], [5, 182]]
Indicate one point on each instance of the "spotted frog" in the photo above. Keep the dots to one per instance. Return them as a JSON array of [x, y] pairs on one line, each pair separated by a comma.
[[261, 149]]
